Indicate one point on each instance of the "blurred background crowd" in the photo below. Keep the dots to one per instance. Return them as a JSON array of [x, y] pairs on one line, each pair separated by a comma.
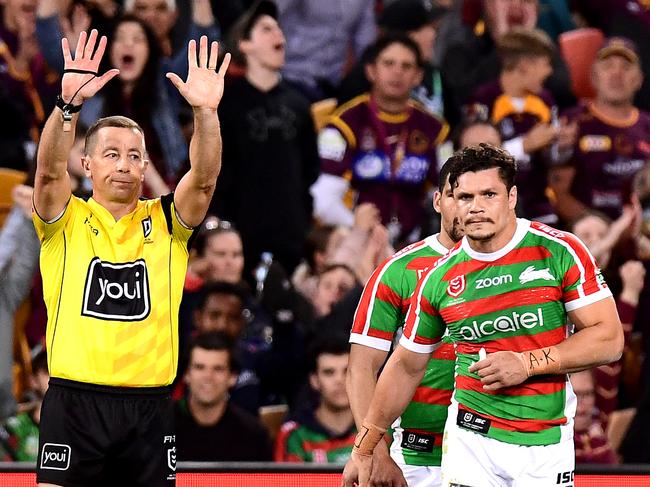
[[336, 119]]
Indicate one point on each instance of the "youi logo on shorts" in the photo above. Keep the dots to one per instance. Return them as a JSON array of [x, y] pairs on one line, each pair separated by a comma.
[[502, 324], [55, 456], [117, 291]]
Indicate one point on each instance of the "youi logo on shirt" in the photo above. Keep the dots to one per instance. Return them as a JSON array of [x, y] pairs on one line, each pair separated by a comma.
[[117, 291]]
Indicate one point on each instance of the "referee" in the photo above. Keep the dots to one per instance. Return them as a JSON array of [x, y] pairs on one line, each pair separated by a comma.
[[113, 270]]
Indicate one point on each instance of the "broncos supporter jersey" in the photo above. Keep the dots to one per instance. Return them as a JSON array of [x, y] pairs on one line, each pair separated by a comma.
[[607, 155], [389, 159], [112, 290], [417, 434], [514, 299], [515, 117]]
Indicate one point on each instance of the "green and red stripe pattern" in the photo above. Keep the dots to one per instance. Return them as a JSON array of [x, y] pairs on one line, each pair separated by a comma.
[[380, 314], [515, 299]]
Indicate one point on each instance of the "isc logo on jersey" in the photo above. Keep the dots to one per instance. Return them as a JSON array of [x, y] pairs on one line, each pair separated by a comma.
[[505, 323], [117, 292]]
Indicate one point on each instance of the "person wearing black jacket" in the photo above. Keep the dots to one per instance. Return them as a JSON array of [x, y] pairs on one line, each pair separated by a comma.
[[270, 157], [208, 426]]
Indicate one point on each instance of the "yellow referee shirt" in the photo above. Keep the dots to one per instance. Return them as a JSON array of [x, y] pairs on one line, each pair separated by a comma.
[[112, 290]]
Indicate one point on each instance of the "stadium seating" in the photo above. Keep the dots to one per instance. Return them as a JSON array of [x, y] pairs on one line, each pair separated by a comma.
[[579, 48]]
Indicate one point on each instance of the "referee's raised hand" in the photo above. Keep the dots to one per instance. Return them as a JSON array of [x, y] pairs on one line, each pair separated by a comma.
[[81, 79], [204, 85]]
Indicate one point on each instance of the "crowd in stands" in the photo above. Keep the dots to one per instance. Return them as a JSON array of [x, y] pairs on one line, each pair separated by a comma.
[[301, 217]]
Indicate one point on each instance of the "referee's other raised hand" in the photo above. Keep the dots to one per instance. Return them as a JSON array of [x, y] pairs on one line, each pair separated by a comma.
[[203, 88], [81, 79]]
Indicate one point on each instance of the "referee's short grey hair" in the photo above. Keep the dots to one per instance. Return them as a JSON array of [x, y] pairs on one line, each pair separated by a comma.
[[129, 4]]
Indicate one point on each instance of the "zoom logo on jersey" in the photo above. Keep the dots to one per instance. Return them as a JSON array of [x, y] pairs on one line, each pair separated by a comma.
[[493, 281], [117, 292], [55, 456], [502, 324]]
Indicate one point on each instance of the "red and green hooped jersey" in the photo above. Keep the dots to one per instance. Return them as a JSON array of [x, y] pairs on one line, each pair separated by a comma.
[[417, 434], [309, 441], [514, 299]]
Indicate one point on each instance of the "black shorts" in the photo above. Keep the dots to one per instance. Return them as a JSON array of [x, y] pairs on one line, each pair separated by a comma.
[[99, 435]]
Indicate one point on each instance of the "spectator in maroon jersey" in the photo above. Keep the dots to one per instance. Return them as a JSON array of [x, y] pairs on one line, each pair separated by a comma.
[[613, 139], [382, 145], [525, 115], [589, 436], [419, 19], [601, 237], [471, 58]]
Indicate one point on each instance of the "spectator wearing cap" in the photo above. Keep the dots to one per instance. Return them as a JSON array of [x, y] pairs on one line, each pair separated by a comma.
[[382, 145], [321, 35], [613, 139], [419, 19], [628, 18], [471, 59], [270, 158]]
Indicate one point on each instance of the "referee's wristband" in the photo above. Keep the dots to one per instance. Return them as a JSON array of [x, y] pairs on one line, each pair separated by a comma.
[[67, 108], [367, 438], [541, 361]]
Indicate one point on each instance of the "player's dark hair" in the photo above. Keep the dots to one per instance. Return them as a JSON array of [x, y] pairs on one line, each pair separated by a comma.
[[385, 41], [216, 341], [328, 343], [521, 43], [444, 175], [113, 121], [224, 288], [481, 157]]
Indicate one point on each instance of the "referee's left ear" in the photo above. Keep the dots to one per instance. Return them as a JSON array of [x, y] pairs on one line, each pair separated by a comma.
[[85, 164], [144, 169]]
